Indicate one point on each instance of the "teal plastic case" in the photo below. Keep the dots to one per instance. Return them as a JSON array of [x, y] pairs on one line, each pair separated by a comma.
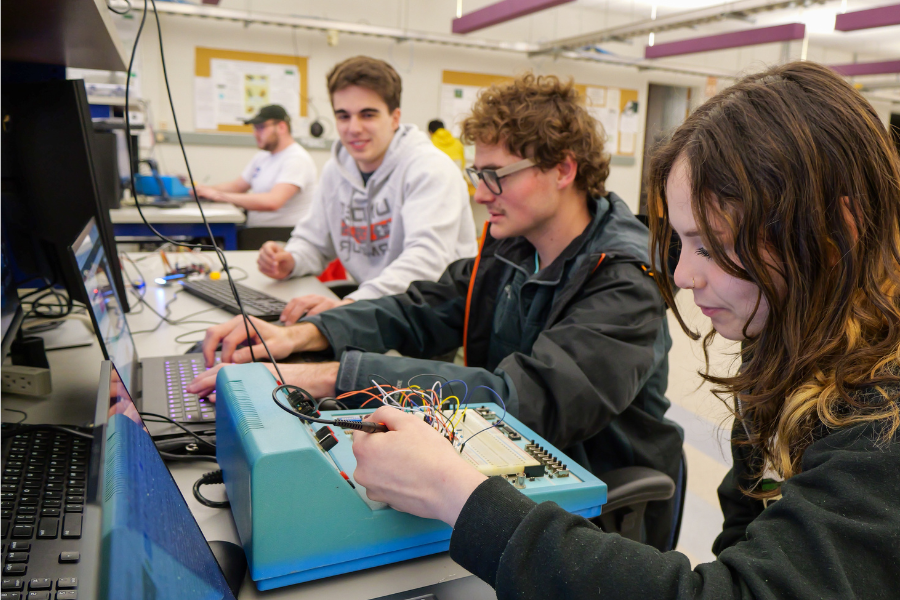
[[299, 519]]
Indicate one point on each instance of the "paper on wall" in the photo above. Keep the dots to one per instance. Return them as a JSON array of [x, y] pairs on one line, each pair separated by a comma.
[[456, 104], [237, 89], [596, 97], [204, 106]]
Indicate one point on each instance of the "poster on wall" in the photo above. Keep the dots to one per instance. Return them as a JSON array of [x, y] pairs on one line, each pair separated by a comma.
[[614, 108], [237, 89], [230, 87]]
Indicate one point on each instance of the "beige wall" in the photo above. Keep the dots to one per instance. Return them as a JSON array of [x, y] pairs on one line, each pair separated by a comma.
[[420, 66]]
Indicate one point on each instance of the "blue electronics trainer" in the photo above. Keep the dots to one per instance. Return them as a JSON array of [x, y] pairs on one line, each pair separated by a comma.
[[301, 516]]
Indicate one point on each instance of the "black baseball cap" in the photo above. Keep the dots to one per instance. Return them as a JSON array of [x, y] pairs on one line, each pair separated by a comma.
[[273, 112]]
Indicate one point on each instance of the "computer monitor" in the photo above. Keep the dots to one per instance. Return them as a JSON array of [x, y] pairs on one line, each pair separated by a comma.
[[103, 302], [12, 313], [51, 185]]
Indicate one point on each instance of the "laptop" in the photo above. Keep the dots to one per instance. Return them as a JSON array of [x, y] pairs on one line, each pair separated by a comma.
[[130, 534], [158, 383]]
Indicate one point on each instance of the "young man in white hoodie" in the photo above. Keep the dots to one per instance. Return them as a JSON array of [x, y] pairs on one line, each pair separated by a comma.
[[392, 207]]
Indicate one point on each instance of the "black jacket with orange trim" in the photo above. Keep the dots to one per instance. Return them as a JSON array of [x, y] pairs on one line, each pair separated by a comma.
[[576, 351]]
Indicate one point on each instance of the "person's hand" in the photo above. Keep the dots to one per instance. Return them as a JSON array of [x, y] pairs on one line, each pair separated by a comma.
[[208, 192], [282, 341], [412, 467], [309, 305], [274, 261], [316, 378]]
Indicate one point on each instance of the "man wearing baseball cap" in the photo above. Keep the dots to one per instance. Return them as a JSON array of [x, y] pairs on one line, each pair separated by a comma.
[[276, 188]]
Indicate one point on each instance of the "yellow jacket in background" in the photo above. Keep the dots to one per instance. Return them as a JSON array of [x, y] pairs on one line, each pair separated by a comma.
[[452, 147]]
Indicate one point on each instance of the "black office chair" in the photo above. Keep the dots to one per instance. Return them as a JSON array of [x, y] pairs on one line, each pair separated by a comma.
[[629, 489], [252, 238]]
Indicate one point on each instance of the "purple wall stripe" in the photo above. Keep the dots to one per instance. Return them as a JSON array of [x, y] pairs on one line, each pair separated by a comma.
[[881, 16], [734, 39], [500, 12], [884, 67]]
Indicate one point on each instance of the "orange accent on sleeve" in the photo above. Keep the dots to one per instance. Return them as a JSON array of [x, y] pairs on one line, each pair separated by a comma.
[[602, 256], [469, 294]]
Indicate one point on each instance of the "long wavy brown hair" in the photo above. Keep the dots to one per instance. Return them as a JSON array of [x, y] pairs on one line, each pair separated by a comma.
[[544, 119], [800, 169]]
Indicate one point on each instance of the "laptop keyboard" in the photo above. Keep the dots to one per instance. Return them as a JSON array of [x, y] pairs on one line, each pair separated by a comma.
[[185, 407], [44, 477], [218, 292]]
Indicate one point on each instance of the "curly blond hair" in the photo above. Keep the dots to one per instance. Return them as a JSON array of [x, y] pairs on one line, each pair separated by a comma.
[[544, 119]]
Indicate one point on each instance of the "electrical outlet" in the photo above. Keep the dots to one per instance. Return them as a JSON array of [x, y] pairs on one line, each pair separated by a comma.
[[28, 381]]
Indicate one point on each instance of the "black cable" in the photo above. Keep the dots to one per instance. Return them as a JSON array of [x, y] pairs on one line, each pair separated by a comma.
[[181, 457], [211, 478], [21, 412], [299, 396], [219, 253], [166, 419]]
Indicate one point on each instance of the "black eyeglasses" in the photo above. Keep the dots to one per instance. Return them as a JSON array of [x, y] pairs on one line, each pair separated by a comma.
[[492, 177]]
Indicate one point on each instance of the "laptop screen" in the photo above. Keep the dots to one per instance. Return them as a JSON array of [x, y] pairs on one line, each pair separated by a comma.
[[106, 308], [152, 546]]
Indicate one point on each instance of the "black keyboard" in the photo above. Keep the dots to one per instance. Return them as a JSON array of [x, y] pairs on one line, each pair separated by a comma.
[[218, 293], [44, 477]]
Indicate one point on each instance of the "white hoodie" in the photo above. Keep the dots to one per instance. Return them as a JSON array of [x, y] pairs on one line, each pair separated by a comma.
[[415, 209]]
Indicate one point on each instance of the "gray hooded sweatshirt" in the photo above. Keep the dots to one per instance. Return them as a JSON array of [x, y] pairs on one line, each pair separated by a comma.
[[406, 224]]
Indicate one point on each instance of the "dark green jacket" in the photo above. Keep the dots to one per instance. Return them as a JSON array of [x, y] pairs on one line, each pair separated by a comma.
[[834, 534], [577, 352]]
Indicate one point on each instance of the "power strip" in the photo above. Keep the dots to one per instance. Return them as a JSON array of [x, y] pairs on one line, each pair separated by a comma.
[[28, 381]]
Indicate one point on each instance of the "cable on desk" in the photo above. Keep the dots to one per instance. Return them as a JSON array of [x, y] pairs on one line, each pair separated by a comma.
[[211, 478], [21, 412], [164, 419], [185, 457]]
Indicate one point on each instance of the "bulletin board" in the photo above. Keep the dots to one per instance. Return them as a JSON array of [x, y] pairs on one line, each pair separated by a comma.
[[615, 108], [230, 86]]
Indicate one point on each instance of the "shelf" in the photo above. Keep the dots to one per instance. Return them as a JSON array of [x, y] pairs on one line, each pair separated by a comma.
[[71, 33]]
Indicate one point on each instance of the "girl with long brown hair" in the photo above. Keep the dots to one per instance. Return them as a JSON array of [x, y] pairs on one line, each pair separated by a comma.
[[785, 192]]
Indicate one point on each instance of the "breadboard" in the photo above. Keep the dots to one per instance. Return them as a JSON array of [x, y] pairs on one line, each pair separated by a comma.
[[491, 451]]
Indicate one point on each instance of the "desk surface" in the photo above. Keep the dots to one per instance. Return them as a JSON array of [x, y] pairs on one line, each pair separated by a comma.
[[75, 375], [216, 212]]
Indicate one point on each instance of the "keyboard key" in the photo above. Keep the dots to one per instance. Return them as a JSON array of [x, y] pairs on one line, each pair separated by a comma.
[[49, 512], [67, 595], [66, 583], [74, 508], [69, 557], [38, 596], [48, 528], [27, 510], [25, 519], [41, 583], [17, 557], [10, 596], [52, 503], [71, 526], [19, 546], [15, 569], [12, 584], [22, 531], [53, 495], [5, 527], [28, 502]]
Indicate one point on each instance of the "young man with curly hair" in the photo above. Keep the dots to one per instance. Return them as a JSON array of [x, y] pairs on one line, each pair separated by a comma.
[[557, 313]]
